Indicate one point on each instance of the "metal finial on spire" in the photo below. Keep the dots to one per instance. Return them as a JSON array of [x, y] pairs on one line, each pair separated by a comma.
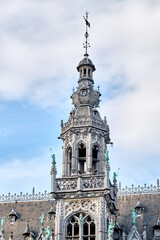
[[86, 44]]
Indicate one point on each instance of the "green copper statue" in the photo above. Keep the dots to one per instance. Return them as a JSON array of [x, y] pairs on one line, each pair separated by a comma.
[[53, 159], [115, 176], [134, 216], [48, 233], [107, 153], [107, 156], [81, 219], [110, 228], [2, 221], [42, 220]]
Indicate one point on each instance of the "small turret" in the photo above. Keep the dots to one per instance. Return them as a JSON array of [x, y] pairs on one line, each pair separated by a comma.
[[86, 69]]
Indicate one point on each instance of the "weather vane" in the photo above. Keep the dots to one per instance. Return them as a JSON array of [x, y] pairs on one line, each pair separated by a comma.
[[86, 44]]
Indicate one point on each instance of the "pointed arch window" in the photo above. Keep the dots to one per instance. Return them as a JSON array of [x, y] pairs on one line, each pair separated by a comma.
[[82, 158], [69, 160], [80, 226], [95, 156]]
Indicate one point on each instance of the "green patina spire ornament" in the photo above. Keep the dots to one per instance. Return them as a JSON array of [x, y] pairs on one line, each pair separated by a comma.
[[53, 159], [81, 219], [134, 216], [48, 233], [110, 228], [107, 157], [42, 221], [115, 177], [2, 221], [107, 154]]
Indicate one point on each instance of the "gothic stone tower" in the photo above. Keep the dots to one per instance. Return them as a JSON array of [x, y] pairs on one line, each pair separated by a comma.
[[85, 197]]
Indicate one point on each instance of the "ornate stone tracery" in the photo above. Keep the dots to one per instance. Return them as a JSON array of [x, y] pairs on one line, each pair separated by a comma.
[[82, 204]]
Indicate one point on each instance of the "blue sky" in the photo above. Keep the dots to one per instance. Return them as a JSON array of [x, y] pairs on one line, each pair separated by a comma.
[[41, 43]]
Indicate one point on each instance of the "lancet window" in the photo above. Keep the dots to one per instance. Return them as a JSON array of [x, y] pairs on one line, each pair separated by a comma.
[[69, 160], [81, 158], [81, 227], [95, 156]]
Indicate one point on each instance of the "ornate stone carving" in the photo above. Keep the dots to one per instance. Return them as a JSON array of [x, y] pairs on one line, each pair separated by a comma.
[[76, 205], [60, 208], [101, 205], [94, 182], [67, 184]]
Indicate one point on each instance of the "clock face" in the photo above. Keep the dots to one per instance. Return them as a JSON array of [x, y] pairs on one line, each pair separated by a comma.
[[83, 92]]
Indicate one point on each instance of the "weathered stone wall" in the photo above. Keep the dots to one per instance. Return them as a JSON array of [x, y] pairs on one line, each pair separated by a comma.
[[27, 211], [150, 202]]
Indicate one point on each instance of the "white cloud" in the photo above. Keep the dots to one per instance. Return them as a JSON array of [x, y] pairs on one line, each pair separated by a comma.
[[21, 175], [41, 43], [133, 38]]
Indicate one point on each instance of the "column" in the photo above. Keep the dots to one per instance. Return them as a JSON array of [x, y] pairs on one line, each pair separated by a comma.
[[59, 230], [53, 182], [101, 218], [64, 162], [89, 154], [74, 155]]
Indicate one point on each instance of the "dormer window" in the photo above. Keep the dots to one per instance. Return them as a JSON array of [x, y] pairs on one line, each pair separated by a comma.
[[52, 213], [13, 216], [28, 233], [139, 208]]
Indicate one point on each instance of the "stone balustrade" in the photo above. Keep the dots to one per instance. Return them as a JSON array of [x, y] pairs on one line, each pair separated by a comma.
[[87, 121], [80, 183], [139, 189], [24, 196]]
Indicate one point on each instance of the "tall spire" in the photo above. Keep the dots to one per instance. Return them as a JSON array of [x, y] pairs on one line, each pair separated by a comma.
[[86, 44]]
